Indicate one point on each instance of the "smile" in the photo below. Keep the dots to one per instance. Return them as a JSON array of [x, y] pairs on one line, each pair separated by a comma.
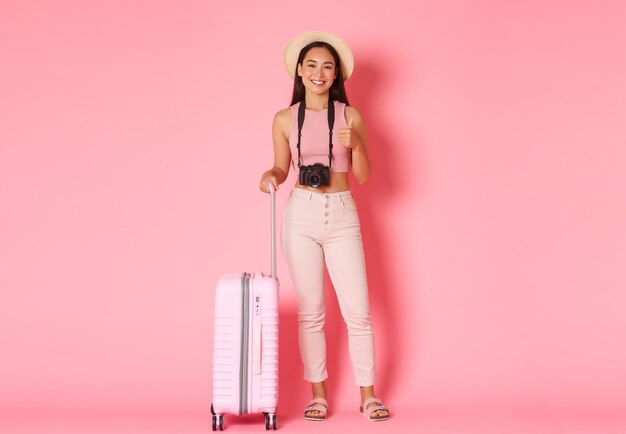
[[317, 82]]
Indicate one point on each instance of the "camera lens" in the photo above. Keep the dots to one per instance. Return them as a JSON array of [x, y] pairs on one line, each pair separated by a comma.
[[314, 180]]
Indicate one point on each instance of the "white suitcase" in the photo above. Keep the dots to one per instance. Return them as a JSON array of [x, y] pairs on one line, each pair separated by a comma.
[[245, 343]]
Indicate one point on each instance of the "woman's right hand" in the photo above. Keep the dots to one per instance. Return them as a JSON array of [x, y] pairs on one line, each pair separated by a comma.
[[266, 179]]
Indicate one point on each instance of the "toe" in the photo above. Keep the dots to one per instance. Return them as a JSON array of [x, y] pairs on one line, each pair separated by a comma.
[[380, 413]]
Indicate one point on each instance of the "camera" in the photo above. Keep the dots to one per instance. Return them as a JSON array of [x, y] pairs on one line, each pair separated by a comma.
[[315, 175]]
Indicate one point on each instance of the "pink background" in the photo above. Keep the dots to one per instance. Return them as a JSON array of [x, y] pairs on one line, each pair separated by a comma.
[[132, 138]]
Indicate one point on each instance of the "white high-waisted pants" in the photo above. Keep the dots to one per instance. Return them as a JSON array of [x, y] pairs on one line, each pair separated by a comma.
[[318, 228]]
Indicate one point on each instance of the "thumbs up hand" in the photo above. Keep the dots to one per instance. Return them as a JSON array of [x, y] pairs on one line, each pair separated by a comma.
[[348, 137]]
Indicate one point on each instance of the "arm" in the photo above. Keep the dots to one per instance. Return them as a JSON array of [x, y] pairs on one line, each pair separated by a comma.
[[355, 137], [282, 154]]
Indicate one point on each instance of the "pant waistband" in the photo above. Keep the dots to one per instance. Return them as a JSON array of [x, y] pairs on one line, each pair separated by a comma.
[[313, 195]]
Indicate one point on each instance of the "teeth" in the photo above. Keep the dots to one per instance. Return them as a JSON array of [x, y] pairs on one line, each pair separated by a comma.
[[317, 82]]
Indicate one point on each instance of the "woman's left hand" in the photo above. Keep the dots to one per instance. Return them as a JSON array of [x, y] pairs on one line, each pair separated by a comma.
[[348, 137]]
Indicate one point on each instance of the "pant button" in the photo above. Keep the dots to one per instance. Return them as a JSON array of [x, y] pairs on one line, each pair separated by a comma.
[[327, 206], [326, 222], [326, 214]]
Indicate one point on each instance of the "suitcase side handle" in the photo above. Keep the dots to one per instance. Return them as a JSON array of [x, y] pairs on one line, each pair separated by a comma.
[[273, 226], [256, 344]]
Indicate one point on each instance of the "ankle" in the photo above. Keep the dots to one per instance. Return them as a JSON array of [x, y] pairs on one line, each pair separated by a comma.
[[367, 393], [318, 390]]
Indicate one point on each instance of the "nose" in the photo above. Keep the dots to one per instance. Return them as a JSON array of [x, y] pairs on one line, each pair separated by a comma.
[[319, 72]]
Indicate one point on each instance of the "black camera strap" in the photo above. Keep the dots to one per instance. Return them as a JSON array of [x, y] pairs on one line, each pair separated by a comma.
[[300, 123], [331, 124]]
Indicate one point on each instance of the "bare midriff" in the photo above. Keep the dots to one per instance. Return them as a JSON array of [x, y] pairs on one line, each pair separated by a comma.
[[338, 182]]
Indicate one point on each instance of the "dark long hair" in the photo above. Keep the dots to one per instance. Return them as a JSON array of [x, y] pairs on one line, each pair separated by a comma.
[[337, 91]]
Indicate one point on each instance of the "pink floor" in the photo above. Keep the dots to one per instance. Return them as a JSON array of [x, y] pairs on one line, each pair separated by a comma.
[[442, 420]]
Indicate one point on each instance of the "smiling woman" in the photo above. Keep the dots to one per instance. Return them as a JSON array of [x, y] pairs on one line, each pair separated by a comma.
[[318, 70], [320, 222]]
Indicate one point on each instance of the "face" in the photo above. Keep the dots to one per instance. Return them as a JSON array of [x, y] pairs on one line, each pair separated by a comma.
[[318, 70]]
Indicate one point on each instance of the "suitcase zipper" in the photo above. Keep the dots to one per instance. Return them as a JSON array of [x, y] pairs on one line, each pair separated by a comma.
[[243, 369]]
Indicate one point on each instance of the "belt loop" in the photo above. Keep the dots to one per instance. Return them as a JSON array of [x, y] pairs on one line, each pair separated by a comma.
[[310, 196], [343, 205]]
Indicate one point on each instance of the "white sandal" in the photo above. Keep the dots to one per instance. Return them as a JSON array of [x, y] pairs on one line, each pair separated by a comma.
[[316, 404], [367, 410]]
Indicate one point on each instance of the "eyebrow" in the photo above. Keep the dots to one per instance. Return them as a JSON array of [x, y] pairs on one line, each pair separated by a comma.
[[315, 61]]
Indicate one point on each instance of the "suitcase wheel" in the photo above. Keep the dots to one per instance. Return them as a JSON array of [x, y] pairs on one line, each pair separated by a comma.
[[270, 421], [218, 422]]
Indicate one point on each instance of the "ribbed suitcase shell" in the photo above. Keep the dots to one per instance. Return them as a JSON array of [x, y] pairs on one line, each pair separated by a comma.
[[245, 345]]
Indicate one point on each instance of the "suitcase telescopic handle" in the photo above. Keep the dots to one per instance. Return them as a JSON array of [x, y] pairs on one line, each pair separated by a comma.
[[273, 226]]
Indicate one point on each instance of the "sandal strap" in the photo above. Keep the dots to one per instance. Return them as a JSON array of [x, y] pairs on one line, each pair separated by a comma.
[[369, 409], [318, 407], [319, 404], [368, 401], [374, 408]]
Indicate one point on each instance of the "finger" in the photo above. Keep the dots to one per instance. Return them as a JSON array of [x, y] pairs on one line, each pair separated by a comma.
[[345, 139]]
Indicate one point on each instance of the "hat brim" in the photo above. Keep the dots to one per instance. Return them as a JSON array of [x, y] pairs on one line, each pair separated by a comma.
[[295, 45]]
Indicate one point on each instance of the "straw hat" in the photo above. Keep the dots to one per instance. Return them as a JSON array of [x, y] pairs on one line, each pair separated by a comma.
[[293, 48]]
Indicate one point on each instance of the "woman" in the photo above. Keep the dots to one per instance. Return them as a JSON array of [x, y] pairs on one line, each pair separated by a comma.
[[320, 222]]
